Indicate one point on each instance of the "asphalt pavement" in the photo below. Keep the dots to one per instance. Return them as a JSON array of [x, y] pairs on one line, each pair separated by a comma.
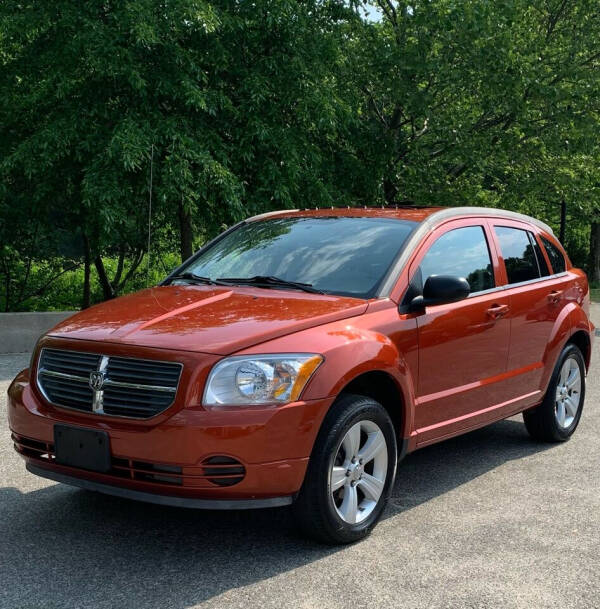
[[489, 519]]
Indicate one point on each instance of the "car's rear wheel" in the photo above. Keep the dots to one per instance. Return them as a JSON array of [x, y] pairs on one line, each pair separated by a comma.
[[557, 417], [350, 473]]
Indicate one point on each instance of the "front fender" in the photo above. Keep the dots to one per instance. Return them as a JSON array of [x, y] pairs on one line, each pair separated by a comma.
[[350, 351]]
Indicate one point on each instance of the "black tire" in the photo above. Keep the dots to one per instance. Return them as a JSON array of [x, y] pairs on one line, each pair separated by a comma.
[[314, 507], [541, 422]]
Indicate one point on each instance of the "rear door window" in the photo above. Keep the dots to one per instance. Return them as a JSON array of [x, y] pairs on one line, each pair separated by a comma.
[[462, 252], [557, 260], [518, 248]]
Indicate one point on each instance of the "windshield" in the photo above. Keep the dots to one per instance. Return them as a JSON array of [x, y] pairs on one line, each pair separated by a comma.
[[336, 255]]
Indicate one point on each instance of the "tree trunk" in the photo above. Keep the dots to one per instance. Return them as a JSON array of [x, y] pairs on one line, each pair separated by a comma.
[[563, 220], [594, 262], [86, 299], [107, 289], [390, 192], [186, 232], [7, 290]]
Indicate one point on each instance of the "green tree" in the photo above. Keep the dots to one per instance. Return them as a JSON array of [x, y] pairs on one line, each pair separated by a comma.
[[476, 102], [212, 110], [222, 109]]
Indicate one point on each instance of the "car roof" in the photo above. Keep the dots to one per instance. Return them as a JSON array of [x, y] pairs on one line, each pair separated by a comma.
[[427, 216]]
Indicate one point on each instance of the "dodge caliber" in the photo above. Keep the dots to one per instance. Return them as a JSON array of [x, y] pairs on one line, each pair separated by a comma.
[[296, 358]]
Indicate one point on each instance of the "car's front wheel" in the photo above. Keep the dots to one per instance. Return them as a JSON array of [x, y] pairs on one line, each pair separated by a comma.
[[350, 473]]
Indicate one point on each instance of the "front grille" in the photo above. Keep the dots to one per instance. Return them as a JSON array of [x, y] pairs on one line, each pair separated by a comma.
[[64, 377], [124, 387]]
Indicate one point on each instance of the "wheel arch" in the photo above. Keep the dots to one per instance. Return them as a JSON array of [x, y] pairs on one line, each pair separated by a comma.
[[582, 340], [572, 326], [384, 388]]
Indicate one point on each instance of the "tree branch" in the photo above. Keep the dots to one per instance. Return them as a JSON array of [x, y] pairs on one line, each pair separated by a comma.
[[132, 269]]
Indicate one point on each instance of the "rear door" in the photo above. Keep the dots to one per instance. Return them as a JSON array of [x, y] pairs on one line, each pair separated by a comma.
[[463, 346], [537, 298]]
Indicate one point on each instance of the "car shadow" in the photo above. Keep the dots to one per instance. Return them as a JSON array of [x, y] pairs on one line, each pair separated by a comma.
[[436, 469], [63, 544]]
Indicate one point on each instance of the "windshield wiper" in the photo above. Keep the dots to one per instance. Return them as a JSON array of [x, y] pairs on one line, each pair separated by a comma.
[[264, 281], [192, 277]]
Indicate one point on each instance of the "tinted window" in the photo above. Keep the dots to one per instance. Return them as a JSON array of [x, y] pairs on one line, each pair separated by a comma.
[[518, 252], [462, 252], [347, 256], [557, 260]]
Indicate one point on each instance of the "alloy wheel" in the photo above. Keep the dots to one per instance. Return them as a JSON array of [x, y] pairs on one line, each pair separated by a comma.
[[358, 474], [568, 393]]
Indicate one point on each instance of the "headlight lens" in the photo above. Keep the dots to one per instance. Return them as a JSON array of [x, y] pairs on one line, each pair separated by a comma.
[[260, 379]]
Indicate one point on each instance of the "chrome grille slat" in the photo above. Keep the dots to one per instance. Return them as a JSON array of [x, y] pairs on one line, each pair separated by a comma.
[[69, 369], [69, 389], [141, 366], [133, 407], [139, 394], [56, 374], [130, 411], [111, 397], [71, 356], [129, 387], [82, 359], [157, 379], [143, 387], [67, 361], [159, 373]]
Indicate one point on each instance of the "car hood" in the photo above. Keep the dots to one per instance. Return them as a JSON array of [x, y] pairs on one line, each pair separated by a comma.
[[205, 319]]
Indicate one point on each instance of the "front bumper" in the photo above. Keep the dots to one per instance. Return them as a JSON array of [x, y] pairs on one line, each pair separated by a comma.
[[187, 502], [195, 457]]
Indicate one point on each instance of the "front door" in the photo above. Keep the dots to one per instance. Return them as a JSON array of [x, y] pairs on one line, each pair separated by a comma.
[[463, 346]]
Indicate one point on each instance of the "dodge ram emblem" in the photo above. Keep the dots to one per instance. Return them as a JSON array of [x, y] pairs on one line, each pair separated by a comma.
[[97, 380]]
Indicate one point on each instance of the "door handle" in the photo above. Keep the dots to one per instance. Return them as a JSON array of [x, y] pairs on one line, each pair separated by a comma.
[[498, 311], [555, 296]]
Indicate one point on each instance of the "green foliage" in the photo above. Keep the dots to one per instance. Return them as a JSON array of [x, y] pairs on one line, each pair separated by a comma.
[[218, 109]]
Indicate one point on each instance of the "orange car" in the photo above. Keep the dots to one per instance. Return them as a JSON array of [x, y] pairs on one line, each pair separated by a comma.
[[296, 358]]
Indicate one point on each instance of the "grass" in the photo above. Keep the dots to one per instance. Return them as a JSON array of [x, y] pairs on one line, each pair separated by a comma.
[[595, 294]]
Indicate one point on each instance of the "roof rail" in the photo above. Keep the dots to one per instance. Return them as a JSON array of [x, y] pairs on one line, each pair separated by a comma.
[[451, 212], [269, 214]]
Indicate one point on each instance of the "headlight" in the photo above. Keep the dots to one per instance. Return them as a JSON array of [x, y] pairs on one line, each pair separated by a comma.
[[260, 379]]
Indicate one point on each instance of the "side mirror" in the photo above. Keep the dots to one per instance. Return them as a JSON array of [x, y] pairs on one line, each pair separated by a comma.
[[441, 289]]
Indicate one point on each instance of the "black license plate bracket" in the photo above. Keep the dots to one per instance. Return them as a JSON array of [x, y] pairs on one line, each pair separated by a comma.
[[83, 448]]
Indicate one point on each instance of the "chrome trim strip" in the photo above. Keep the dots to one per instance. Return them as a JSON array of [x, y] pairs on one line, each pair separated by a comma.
[[108, 382], [63, 375], [111, 383], [509, 286], [498, 288]]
